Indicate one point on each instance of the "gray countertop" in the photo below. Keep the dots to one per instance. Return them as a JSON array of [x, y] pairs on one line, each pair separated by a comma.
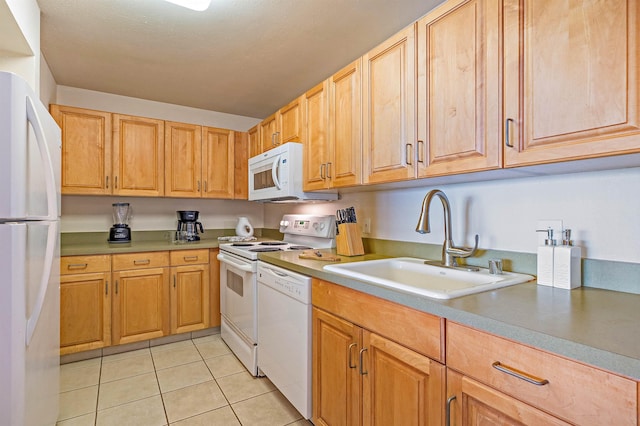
[[594, 326]]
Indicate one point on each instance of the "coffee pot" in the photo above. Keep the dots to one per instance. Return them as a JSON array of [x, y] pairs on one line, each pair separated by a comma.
[[188, 225]]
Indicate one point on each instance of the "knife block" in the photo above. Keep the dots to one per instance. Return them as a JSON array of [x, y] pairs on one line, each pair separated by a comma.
[[349, 240]]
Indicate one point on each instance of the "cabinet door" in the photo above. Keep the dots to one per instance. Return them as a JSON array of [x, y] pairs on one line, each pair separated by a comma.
[[85, 312], [400, 386], [476, 404], [138, 156], [571, 79], [336, 380], [345, 126], [389, 109], [189, 298], [316, 151], [268, 130], [459, 114], [255, 143], [214, 288], [218, 162], [241, 166], [86, 150], [289, 122], [183, 155], [140, 305]]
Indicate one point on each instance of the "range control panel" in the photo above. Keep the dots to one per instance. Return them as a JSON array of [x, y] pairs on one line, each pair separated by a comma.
[[323, 226]]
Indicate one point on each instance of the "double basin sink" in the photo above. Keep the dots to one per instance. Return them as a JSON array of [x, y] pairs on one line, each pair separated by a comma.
[[412, 275]]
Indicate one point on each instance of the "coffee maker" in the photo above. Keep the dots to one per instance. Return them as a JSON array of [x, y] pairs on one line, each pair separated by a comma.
[[189, 225], [120, 231]]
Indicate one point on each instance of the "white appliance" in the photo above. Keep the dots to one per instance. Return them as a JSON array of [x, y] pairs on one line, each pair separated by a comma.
[[238, 284], [284, 333], [30, 144], [276, 175]]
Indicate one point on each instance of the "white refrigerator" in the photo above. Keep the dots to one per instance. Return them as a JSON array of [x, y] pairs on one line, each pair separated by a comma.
[[30, 150]]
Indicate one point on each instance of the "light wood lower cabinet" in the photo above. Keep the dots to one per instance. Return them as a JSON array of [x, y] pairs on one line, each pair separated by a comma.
[[140, 297], [85, 303], [189, 290], [504, 382], [363, 377]]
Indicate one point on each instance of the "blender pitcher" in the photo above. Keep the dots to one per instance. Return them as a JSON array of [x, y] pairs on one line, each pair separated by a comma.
[[120, 231]]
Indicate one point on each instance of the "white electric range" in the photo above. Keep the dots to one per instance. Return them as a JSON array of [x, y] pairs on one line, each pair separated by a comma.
[[238, 279]]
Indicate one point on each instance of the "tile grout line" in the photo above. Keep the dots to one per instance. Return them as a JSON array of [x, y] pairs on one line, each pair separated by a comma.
[[155, 372]]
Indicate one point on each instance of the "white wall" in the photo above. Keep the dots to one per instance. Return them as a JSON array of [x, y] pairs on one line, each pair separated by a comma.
[[48, 87], [602, 209], [93, 214], [20, 39], [125, 105]]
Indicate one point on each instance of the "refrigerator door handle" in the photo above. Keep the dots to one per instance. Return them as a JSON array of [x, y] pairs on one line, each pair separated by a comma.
[[50, 180], [32, 321]]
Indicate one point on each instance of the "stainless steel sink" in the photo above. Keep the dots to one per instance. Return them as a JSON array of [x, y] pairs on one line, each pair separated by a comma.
[[412, 275]]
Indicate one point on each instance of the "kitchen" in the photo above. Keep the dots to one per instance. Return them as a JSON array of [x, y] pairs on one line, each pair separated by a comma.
[[503, 212]]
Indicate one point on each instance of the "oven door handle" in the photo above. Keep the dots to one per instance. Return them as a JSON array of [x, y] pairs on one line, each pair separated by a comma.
[[274, 172], [243, 267]]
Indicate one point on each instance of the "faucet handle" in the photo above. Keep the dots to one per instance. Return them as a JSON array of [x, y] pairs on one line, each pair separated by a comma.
[[463, 251]]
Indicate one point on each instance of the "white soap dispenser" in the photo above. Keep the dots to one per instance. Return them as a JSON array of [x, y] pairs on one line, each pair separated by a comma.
[[567, 258], [546, 259]]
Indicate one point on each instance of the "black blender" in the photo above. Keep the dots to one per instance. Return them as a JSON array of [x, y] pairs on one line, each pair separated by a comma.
[[120, 231], [188, 224]]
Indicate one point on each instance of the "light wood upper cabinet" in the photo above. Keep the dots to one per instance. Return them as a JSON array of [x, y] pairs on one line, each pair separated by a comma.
[[317, 151], [218, 162], [570, 79], [138, 156], [241, 166], [459, 114], [85, 303], [333, 133], [285, 125], [255, 144], [389, 81], [183, 164], [345, 125], [86, 149]]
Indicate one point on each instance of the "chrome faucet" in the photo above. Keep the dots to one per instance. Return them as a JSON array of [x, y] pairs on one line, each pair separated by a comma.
[[449, 251]]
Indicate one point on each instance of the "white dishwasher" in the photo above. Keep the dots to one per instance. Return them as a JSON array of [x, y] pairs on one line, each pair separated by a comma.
[[284, 333]]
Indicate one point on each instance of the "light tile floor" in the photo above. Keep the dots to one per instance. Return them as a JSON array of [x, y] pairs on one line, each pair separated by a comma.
[[188, 383]]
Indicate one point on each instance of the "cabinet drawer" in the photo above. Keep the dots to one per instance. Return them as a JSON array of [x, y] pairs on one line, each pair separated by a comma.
[[567, 389], [84, 264], [189, 257], [151, 259], [413, 329]]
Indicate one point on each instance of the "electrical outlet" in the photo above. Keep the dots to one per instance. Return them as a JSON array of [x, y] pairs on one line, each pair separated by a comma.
[[556, 225], [366, 225]]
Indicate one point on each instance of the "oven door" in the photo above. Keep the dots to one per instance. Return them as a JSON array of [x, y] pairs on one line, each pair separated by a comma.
[[238, 304]]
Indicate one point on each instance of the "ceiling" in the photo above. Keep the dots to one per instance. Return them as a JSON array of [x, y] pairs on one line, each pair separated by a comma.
[[243, 57]]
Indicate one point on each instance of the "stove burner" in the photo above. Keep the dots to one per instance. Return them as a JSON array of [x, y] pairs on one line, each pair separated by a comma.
[[273, 243], [265, 249], [242, 244], [300, 248]]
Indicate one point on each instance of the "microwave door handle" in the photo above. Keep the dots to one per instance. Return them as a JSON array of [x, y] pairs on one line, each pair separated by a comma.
[[274, 172]]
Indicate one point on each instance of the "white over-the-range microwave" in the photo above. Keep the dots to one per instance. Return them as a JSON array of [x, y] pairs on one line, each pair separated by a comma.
[[276, 175]]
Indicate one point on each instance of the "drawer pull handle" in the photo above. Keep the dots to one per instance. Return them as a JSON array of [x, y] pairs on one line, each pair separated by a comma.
[[142, 262], [447, 413], [77, 266], [349, 351], [362, 351], [519, 374], [190, 258]]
